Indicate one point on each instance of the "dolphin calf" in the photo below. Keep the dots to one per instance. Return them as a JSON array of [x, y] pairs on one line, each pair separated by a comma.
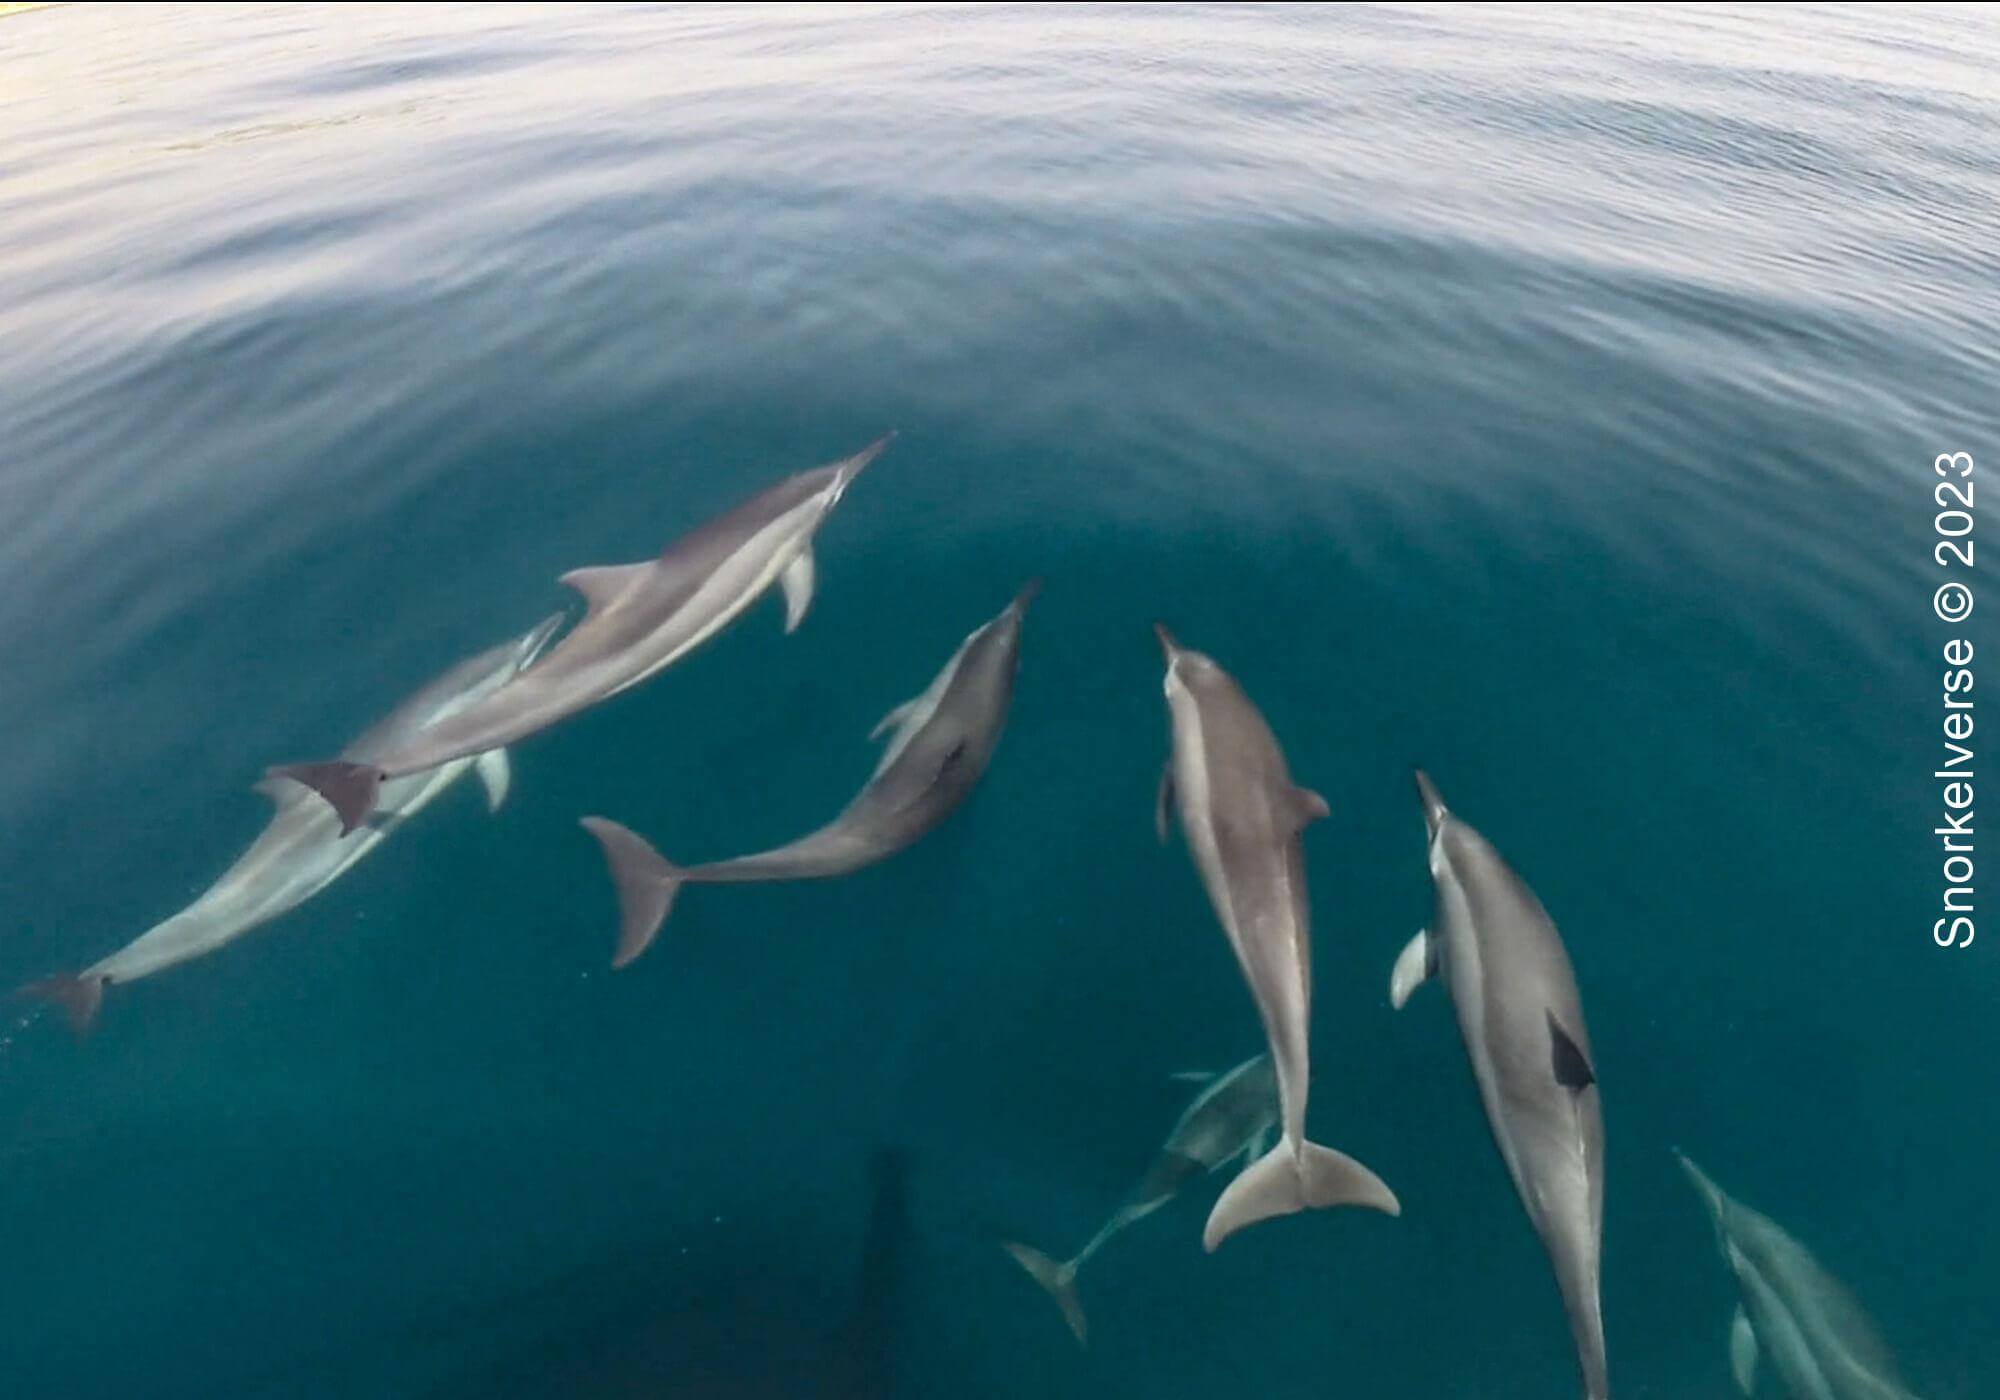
[[641, 619], [301, 851], [1793, 1314], [1235, 1115], [939, 744], [1522, 1022], [1242, 815]]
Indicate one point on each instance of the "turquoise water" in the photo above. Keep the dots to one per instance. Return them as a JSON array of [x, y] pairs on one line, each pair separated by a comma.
[[1549, 397]]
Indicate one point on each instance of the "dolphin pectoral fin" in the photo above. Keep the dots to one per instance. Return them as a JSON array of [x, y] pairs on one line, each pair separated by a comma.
[[895, 718], [1743, 1352], [1163, 801], [797, 581], [1415, 965], [79, 997], [349, 788], [1572, 1067], [1307, 807], [496, 774], [603, 584], [646, 882], [1283, 1183], [1192, 1076], [1058, 1280]]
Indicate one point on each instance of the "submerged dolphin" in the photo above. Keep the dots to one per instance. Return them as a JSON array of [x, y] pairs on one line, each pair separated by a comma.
[[301, 852], [1522, 1023], [941, 743], [1242, 814], [1235, 1115], [642, 618], [1818, 1341]]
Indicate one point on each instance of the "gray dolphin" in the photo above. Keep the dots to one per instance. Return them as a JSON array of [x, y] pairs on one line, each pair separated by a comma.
[[1817, 1339], [940, 744], [1242, 814], [1522, 1023], [641, 619], [1235, 1115], [301, 851]]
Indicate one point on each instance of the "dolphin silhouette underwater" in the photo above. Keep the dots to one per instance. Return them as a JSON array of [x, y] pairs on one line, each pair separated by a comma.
[[1235, 1115], [301, 851], [641, 619], [1242, 814], [939, 744], [1521, 1019], [1794, 1318]]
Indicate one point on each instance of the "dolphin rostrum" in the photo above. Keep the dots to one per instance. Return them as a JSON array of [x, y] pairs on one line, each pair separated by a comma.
[[939, 744], [1242, 815], [1793, 1314], [1235, 1115], [301, 852], [641, 619], [1522, 1022]]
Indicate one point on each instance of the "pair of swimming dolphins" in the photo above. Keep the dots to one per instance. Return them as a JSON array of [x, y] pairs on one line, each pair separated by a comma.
[[1493, 944], [641, 618], [1491, 941]]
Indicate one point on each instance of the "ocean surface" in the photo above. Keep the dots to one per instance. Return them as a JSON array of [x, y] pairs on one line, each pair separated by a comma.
[[1546, 396]]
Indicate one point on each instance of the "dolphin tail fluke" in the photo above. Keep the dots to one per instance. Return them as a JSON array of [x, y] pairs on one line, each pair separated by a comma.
[[647, 883], [1058, 1280], [349, 788], [1281, 1183], [79, 997]]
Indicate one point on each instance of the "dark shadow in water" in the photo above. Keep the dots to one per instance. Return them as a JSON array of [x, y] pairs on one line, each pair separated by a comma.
[[870, 1341], [649, 1325]]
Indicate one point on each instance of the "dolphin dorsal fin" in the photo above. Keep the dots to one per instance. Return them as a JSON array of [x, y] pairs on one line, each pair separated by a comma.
[[950, 761], [1572, 1066], [1306, 807], [603, 584]]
